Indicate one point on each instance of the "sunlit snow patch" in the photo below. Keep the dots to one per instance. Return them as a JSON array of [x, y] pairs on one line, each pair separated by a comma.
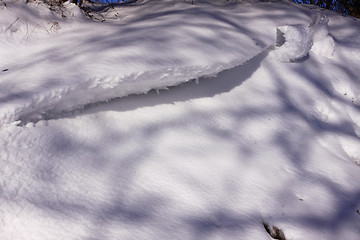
[[324, 44]]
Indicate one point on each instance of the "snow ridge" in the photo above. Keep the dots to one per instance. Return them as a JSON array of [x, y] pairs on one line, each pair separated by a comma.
[[56, 101], [49, 73], [293, 43]]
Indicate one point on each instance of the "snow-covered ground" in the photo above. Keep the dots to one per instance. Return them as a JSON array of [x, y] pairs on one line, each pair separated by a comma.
[[251, 116]]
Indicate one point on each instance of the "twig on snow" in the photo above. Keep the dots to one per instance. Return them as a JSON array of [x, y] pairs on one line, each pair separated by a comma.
[[11, 24]]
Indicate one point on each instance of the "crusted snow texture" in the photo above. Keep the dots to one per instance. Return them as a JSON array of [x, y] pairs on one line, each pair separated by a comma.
[[293, 42], [72, 66]]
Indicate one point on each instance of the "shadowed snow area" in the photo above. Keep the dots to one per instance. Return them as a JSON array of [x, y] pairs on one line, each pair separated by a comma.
[[251, 119]]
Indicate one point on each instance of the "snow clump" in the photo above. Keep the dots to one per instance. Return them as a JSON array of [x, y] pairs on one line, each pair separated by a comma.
[[324, 44], [293, 43]]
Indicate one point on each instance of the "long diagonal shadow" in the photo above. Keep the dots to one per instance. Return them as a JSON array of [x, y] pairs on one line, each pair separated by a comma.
[[203, 87]]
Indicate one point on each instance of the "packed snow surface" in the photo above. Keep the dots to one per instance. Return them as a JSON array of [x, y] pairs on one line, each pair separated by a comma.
[[251, 119]]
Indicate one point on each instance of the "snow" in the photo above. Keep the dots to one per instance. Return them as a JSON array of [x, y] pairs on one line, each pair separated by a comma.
[[324, 43], [148, 53], [294, 43], [251, 115]]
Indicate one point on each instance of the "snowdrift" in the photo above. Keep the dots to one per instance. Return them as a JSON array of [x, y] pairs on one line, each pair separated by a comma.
[[70, 65], [54, 61]]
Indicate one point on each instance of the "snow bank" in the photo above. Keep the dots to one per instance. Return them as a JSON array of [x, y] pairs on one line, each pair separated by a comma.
[[54, 61], [47, 104], [67, 64]]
